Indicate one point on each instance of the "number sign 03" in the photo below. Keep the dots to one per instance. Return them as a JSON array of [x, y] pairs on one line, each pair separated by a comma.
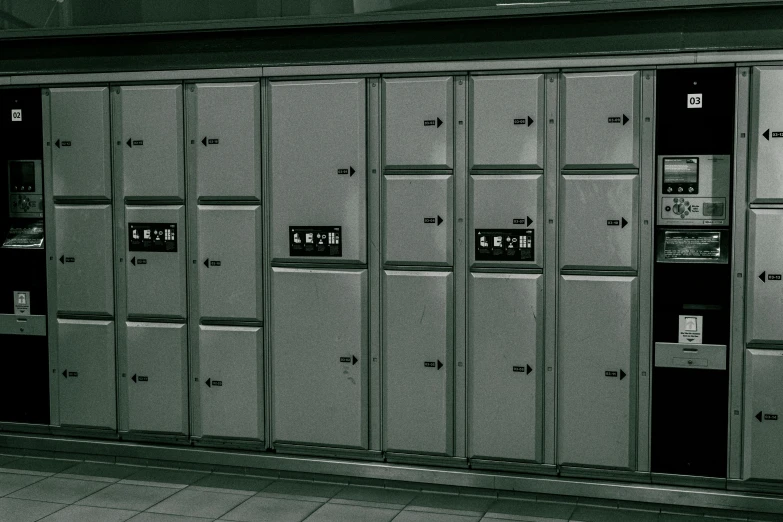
[[694, 101]]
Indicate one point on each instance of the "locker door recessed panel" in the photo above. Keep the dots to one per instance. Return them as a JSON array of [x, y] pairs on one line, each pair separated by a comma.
[[507, 121], [225, 139], [87, 373], [766, 138], [598, 223], [157, 377], [230, 382], [505, 347], [764, 292], [506, 203], [81, 157], [417, 348], [763, 414], [229, 262], [417, 219], [600, 120], [85, 277], [597, 336], [148, 135], [418, 127], [322, 183], [319, 356], [156, 277]]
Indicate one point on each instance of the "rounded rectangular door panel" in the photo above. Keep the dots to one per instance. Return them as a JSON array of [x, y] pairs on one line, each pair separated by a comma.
[[505, 354], [87, 389], [85, 277], [81, 155], [600, 120], [155, 275], [766, 136], [230, 382], [506, 203], [418, 345], [318, 163], [157, 377], [764, 290], [148, 136], [229, 262], [598, 221], [224, 133], [763, 415], [507, 121], [319, 356], [418, 127], [417, 219], [597, 339]]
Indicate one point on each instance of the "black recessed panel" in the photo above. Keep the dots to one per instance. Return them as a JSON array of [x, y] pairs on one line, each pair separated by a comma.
[[695, 111]]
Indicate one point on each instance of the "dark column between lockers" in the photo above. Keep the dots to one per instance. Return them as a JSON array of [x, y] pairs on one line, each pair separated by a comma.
[[223, 150], [505, 317], [151, 251]]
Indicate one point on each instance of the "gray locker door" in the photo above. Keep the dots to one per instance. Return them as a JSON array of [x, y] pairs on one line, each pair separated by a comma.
[[599, 118], [87, 373], [229, 262], [764, 291], [148, 138], [598, 221], [763, 414], [81, 157], [157, 377], [156, 280], [766, 139], [324, 182], [505, 353], [596, 375], [418, 346], [507, 202], [319, 356], [85, 277], [225, 139], [507, 121], [417, 219], [231, 382], [418, 127]]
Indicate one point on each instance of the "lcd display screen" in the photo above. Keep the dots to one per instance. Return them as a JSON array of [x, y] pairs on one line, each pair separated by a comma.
[[22, 174], [680, 170]]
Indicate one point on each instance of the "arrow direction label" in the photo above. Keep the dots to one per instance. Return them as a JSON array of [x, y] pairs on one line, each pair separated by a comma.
[[775, 134], [73, 374], [138, 143], [433, 123], [64, 259], [523, 221], [208, 263], [352, 359], [429, 364], [523, 369], [769, 416], [610, 374], [213, 141], [64, 143], [213, 382], [613, 222], [345, 359], [774, 277]]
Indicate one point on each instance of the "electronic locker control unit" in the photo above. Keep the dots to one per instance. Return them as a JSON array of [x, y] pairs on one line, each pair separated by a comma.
[[693, 190], [25, 188]]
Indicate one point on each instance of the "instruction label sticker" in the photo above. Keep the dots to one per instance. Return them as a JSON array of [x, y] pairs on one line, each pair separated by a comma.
[[152, 237], [692, 245], [21, 303], [315, 241], [505, 244], [690, 329]]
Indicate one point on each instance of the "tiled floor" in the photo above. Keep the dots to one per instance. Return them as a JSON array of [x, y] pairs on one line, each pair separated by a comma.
[[49, 490]]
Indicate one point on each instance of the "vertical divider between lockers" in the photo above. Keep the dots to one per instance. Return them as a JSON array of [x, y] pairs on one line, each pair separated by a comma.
[[51, 264], [374, 173], [191, 206], [120, 277], [738, 254], [460, 267], [189, 340], [551, 271], [266, 263], [646, 221]]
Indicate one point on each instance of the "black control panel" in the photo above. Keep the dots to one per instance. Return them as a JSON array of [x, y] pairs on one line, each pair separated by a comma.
[[152, 237], [504, 244], [21, 176], [315, 241]]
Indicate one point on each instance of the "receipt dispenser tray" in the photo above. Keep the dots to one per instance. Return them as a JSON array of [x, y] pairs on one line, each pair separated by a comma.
[[694, 356]]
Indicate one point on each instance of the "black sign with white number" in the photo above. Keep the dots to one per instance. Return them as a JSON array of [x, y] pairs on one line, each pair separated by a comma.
[[315, 241], [504, 245], [152, 237]]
